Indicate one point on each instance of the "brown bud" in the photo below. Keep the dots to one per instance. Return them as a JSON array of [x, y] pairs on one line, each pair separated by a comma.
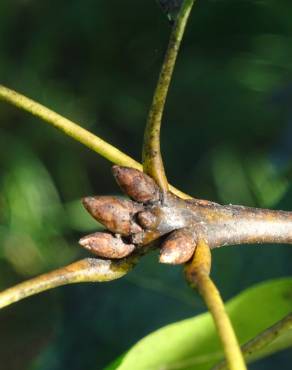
[[147, 219], [106, 245], [146, 237], [178, 247], [115, 214], [136, 184]]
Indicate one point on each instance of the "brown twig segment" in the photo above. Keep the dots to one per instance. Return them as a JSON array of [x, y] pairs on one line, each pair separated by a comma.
[[152, 160], [262, 340], [86, 270], [156, 213], [197, 274], [231, 225]]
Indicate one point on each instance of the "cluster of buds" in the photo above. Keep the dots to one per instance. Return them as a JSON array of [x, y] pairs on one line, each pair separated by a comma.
[[132, 224]]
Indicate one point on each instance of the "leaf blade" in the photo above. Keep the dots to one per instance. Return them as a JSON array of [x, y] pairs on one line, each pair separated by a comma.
[[193, 343]]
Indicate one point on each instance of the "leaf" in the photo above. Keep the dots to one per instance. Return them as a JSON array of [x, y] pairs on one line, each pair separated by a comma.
[[193, 343], [115, 364]]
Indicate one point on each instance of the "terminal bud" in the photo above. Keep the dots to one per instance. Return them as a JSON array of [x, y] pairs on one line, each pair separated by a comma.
[[136, 184], [115, 214], [106, 245]]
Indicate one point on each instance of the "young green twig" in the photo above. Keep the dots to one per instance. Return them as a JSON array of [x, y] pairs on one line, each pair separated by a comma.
[[262, 340], [86, 270], [70, 128], [152, 160], [197, 274], [73, 130]]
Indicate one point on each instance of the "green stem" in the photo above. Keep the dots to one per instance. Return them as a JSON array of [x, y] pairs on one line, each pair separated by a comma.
[[86, 270], [197, 273], [152, 160], [73, 130], [262, 340], [68, 127]]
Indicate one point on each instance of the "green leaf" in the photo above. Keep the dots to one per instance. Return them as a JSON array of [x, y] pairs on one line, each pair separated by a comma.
[[193, 343], [115, 364]]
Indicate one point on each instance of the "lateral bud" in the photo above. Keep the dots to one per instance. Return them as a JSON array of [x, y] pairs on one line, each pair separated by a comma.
[[147, 219], [136, 184], [179, 247], [115, 214], [106, 245]]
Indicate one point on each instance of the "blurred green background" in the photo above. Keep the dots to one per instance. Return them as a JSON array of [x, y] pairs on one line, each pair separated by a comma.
[[227, 136]]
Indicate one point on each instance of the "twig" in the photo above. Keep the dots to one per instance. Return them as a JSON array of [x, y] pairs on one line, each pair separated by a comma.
[[68, 127], [152, 160], [86, 270], [262, 340], [197, 274], [73, 130]]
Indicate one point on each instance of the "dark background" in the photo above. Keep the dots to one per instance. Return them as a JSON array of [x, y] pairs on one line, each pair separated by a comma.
[[226, 136]]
